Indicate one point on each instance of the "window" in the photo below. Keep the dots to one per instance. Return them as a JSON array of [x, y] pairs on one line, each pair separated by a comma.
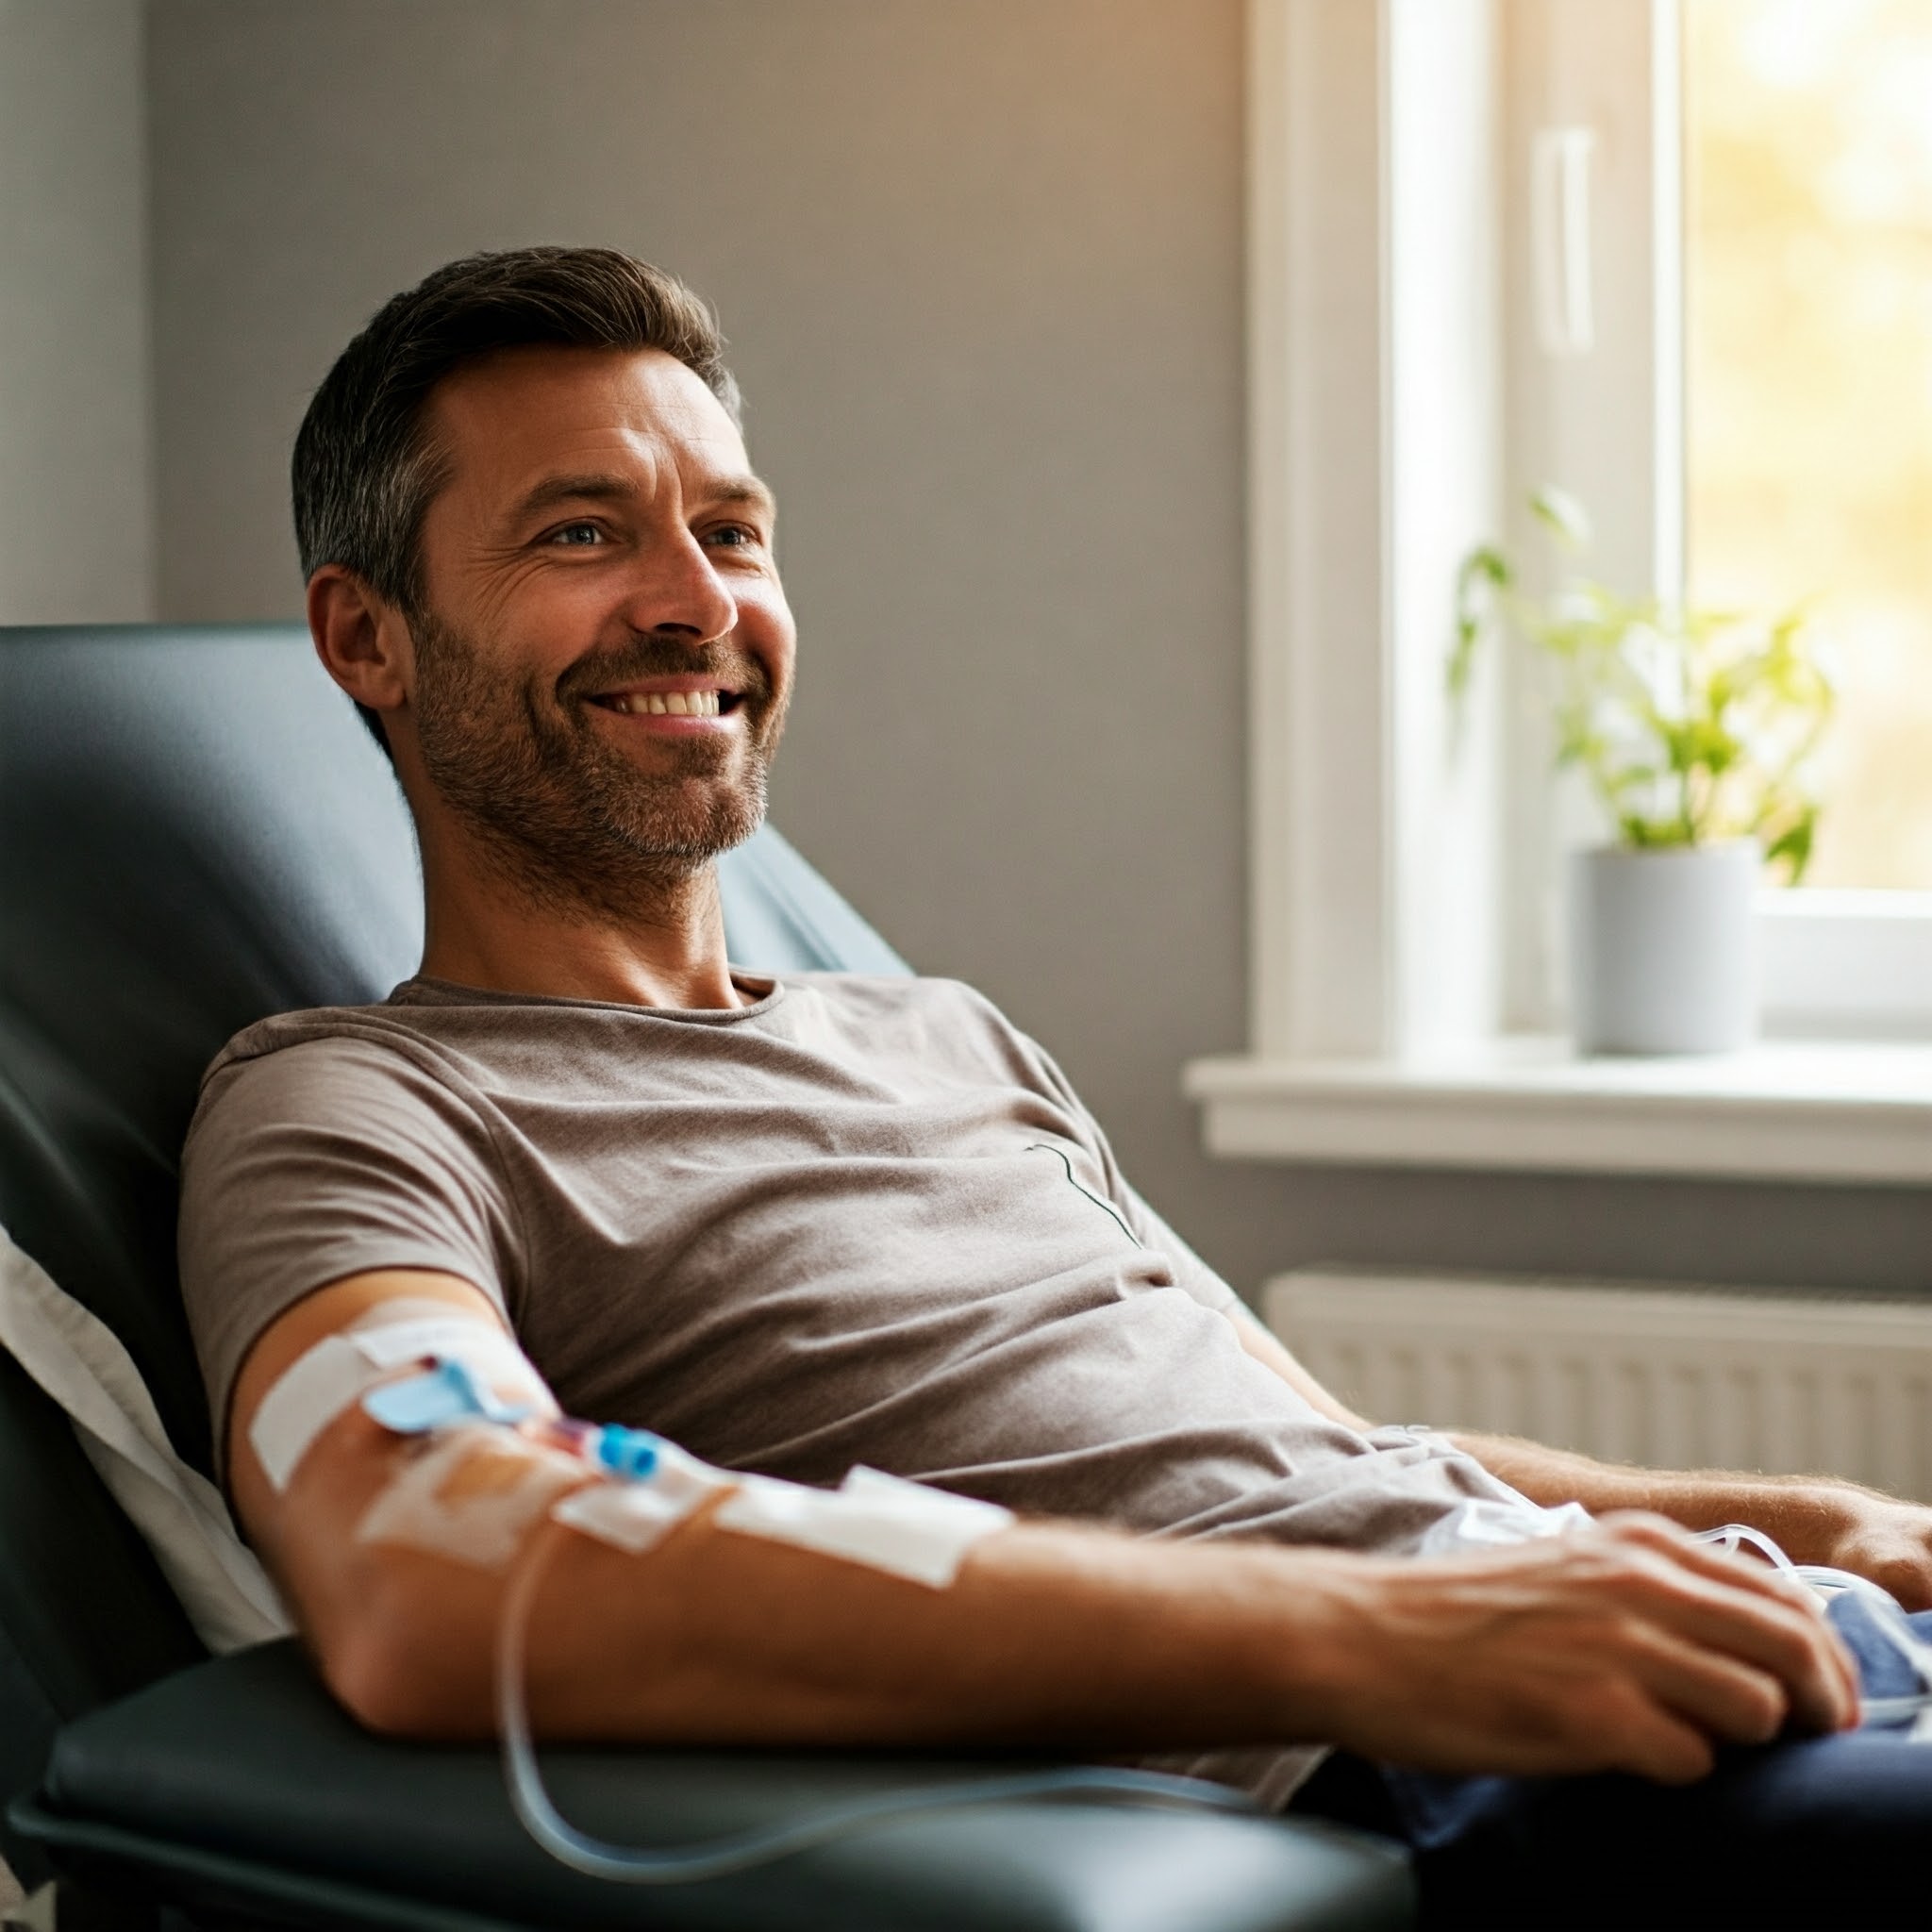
[[1809, 235], [1471, 259]]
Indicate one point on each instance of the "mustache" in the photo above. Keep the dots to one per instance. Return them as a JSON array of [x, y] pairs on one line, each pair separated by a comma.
[[658, 656]]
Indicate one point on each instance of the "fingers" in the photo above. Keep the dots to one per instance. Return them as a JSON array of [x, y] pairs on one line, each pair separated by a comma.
[[1742, 1569], [1732, 1607], [1637, 1735], [1722, 1697], [1626, 1647]]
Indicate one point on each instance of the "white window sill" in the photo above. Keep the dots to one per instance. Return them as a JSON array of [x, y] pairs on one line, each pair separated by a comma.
[[1783, 1111]]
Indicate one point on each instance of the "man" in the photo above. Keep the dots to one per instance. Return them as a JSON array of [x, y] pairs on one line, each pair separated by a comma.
[[800, 1226]]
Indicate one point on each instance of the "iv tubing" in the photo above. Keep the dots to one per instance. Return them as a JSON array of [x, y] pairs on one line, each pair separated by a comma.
[[721, 1857], [1884, 1606]]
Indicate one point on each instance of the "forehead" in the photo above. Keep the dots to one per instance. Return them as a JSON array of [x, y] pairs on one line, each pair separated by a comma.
[[504, 421]]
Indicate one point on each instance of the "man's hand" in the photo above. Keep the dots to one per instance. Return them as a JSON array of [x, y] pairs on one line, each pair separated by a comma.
[[1623, 1648], [1860, 1530]]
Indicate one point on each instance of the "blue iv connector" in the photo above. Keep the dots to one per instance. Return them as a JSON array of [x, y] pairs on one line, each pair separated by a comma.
[[630, 1455]]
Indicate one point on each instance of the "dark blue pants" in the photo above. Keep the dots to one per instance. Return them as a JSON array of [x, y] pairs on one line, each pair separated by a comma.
[[1822, 1829]]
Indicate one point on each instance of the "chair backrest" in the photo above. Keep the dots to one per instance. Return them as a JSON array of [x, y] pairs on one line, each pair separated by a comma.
[[195, 831]]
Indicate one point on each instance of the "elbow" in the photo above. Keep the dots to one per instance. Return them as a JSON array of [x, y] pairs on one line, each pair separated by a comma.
[[402, 1671]]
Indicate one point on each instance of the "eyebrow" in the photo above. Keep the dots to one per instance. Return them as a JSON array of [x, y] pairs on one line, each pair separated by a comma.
[[599, 487]]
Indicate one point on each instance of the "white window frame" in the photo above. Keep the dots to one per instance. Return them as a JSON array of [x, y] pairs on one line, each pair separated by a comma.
[[1389, 420]]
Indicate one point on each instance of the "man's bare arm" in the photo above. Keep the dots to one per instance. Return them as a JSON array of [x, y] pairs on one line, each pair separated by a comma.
[[1813, 1519], [1267, 1348], [1624, 1649]]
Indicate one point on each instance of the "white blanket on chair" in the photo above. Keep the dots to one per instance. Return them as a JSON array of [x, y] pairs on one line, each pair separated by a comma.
[[82, 1364]]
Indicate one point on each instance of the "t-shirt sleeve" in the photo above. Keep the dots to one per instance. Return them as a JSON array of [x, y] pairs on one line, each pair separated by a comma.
[[319, 1161]]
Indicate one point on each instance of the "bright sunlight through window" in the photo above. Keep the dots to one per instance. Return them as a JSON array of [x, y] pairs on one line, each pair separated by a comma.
[[1808, 238]]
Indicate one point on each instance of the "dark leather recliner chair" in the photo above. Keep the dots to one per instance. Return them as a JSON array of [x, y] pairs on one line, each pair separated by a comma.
[[195, 831]]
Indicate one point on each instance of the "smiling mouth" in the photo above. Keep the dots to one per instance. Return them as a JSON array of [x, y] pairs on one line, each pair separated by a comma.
[[670, 704]]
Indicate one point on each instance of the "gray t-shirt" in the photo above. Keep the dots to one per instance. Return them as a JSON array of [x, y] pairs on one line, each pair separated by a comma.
[[857, 1221]]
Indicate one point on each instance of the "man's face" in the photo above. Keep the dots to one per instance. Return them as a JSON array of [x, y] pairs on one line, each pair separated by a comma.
[[605, 655]]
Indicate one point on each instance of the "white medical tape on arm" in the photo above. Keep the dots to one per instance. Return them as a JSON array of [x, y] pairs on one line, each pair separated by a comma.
[[476, 1343], [882, 1521], [471, 1494], [636, 1515], [341, 1369], [315, 1389]]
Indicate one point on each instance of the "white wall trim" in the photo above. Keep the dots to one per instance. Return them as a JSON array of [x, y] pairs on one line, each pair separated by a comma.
[[1319, 932], [1374, 464], [1841, 1113], [1442, 434], [1847, 964]]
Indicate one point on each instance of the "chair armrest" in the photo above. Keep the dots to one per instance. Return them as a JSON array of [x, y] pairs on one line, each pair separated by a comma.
[[240, 1787]]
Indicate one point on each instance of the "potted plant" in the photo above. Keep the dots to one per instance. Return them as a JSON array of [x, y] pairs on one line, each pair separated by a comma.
[[1694, 729]]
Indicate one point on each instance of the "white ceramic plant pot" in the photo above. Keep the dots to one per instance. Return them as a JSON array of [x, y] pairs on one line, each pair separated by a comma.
[[1663, 948]]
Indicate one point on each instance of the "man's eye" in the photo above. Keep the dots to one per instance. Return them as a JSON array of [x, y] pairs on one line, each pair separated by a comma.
[[576, 535], [733, 536]]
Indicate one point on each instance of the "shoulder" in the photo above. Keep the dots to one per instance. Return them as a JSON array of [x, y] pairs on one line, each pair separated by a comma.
[[329, 1063]]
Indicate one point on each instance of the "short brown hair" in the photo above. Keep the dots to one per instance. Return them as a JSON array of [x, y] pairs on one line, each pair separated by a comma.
[[364, 472]]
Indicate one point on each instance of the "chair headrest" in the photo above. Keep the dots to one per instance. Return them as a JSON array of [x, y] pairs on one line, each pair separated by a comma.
[[196, 831]]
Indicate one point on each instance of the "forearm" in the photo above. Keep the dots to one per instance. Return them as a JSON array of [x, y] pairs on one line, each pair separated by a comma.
[[1806, 1515], [1257, 1340], [1050, 1635]]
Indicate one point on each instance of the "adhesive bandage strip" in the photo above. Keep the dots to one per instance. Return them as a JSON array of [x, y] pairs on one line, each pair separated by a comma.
[[882, 1521], [636, 1515], [471, 1494], [341, 1369], [887, 1523]]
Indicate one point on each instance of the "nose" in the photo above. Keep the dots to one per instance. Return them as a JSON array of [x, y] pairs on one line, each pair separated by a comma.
[[676, 588]]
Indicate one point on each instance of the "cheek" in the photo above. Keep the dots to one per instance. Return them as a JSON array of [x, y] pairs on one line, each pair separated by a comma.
[[526, 590], [764, 625]]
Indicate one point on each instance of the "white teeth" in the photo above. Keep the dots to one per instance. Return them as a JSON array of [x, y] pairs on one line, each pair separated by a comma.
[[673, 704]]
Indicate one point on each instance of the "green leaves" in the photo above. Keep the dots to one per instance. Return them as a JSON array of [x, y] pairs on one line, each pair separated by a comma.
[[1562, 515], [1483, 576], [1691, 726]]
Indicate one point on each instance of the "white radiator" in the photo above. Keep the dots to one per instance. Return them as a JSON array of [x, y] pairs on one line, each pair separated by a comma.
[[1671, 1379]]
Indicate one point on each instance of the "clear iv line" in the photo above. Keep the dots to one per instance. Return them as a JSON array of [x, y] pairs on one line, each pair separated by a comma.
[[719, 1857], [1819, 1577]]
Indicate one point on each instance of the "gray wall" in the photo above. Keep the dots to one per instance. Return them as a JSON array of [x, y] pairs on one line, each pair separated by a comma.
[[980, 260], [76, 483]]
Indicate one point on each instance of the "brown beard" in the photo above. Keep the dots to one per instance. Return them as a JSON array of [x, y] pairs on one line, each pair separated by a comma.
[[562, 815]]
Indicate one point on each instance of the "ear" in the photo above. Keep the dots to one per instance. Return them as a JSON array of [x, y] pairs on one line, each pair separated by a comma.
[[362, 640]]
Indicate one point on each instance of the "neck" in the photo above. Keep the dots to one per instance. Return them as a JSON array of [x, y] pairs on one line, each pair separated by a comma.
[[664, 947]]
